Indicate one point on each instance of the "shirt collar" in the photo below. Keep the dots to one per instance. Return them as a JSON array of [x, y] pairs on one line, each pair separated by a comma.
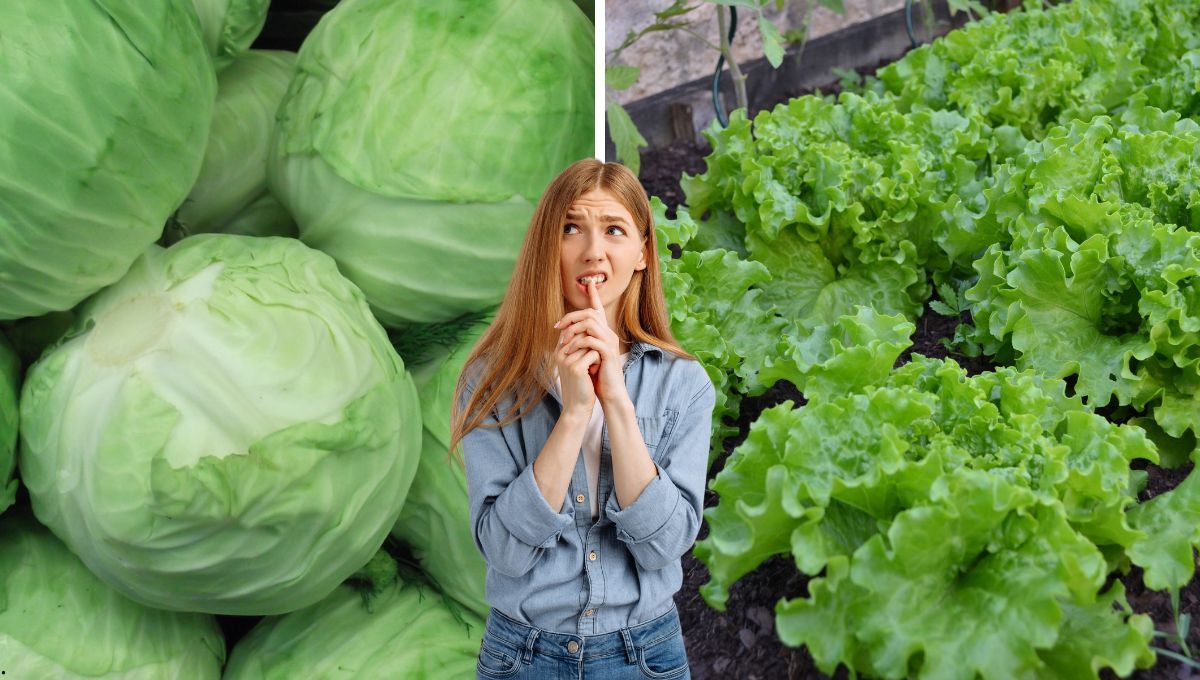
[[637, 349]]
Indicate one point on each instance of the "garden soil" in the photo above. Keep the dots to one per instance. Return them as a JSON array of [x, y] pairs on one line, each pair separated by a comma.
[[741, 641]]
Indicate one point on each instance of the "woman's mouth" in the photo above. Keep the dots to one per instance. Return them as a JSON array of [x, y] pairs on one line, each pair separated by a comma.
[[598, 279]]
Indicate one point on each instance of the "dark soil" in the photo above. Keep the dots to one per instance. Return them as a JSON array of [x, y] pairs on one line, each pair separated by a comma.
[[662, 169], [741, 642]]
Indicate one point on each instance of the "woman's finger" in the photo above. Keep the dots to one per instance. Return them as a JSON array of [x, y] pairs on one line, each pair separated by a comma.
[[590, 326], [594, 297], [577, 354], [581, 315], [585, 340], [580, 364], [566, 352], [571, 317]]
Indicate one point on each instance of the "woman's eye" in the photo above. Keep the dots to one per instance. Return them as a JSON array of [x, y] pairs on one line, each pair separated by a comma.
[[567, 227]]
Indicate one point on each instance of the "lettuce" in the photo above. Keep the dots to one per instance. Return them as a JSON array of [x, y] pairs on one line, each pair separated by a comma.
[[996, 496]]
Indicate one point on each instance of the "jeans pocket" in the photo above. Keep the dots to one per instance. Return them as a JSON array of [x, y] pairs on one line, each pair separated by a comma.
[[666, 658], [497, 660]]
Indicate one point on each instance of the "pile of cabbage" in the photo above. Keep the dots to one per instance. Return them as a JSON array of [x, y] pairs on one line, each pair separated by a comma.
[[206, 254]]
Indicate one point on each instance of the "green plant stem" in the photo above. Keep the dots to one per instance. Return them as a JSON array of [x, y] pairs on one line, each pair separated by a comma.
[[701, 38], [1180, 630], [1176, 656], [739, 80]]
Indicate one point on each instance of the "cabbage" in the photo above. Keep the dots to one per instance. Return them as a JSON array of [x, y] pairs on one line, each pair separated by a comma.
[[29, 336], [10, 377], [264, 216], [104, 108], [233, 179], [57, 620], [225, 430], [416, 138], [407, 630], [229, 26], [436, 520]]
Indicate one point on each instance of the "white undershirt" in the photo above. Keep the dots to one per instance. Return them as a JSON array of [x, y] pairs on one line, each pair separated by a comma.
[[591, 445]]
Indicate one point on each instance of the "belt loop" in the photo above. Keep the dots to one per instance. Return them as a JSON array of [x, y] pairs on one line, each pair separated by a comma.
[[529, 640], [630, 651]]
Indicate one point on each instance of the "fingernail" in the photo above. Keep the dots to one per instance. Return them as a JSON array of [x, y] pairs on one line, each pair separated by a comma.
[[556, 323]]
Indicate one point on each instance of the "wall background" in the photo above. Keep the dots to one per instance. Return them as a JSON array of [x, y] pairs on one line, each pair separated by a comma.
[[670, 58]]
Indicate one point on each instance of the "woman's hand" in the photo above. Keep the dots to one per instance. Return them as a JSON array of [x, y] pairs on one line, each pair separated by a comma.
[[587, 329], [574, 377]]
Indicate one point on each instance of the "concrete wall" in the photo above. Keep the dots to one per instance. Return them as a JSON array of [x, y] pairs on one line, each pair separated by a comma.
[[671, 58], [679, 113]]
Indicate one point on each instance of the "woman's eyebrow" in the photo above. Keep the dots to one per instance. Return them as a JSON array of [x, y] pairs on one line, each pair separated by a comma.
[[574, 215]]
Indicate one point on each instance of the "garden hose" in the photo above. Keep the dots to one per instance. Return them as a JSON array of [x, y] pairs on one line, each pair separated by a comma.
[[716, 85], [908, 23]]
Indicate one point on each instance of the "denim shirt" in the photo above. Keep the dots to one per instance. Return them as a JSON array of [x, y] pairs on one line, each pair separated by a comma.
[[553, 568]]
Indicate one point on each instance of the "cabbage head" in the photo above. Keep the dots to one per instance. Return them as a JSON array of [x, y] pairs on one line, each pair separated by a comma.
[[57, 620], [435, 521], [408, 630], [10, 376], [230, 195], [230, 26], [225, 430], [416, 138], [104, 112]]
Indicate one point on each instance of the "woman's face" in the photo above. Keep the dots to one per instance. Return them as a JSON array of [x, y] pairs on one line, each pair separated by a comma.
[[599, 235]]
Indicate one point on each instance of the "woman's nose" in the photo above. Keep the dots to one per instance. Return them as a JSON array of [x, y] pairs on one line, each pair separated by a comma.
[[594, 251]]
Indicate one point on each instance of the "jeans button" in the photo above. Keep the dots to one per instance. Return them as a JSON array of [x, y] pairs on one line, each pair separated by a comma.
[[572, 646], [592, 556], [579, 498], [589, 612]]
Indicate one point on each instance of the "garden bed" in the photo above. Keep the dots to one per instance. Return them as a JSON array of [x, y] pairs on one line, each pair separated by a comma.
[[741, 641]]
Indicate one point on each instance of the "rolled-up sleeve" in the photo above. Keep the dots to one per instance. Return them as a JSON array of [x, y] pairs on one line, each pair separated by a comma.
[[513, 523], [662, 524]]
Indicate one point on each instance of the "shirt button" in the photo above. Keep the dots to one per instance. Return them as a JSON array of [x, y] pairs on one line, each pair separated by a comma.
[[572, 646], [589, 612], [579, 498], [592, 556]]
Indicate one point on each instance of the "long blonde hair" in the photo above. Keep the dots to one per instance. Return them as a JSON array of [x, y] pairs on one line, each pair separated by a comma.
[[522, 334]]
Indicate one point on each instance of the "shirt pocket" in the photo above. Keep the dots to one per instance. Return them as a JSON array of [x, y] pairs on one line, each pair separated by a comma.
[[657, 430]]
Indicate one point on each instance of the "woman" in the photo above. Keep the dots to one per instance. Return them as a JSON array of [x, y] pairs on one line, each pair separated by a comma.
[[585, 431]]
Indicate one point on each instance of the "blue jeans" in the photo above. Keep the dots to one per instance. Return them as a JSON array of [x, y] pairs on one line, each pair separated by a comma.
[[653, 649]]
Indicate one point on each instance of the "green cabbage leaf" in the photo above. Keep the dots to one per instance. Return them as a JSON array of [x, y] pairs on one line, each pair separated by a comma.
[[229, 26], [401, 629], [225, 430], [418, 134], [105, 107], [230, 195], [57, 620], [10, 384]]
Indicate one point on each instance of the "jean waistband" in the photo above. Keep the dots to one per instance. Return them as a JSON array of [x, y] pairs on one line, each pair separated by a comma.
[[528, 638]]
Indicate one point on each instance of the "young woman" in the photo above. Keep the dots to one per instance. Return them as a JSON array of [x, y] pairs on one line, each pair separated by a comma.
[[585, 431]]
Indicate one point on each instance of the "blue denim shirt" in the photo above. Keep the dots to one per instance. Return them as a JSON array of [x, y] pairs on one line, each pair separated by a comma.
[[553, 568]]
